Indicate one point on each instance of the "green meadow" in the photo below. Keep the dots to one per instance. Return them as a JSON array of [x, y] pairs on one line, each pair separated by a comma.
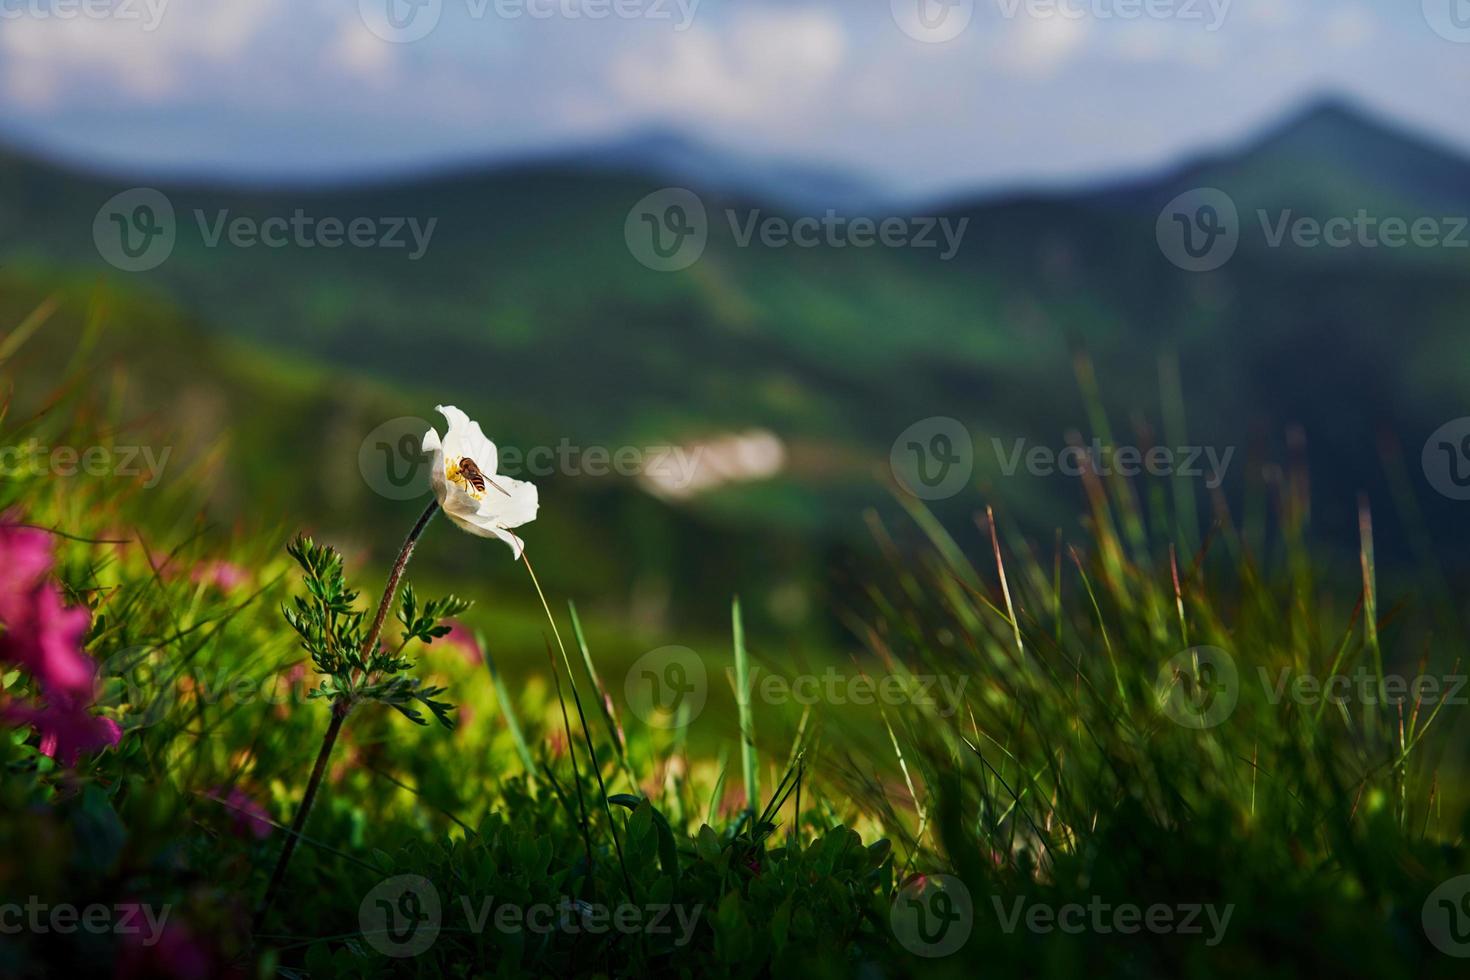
[[1174, 742]]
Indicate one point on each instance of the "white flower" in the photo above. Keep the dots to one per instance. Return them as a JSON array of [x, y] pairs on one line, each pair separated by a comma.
[[463, 474]]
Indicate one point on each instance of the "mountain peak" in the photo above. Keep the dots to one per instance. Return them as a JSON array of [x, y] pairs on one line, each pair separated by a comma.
[[1330, 110], [1334, 124]]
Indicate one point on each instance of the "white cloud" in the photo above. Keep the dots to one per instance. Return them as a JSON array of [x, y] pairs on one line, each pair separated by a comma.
[[1271, 14], [359, 53], [251, 86], [1350, 27], [1039, 46], [144, 50], [768, 63]]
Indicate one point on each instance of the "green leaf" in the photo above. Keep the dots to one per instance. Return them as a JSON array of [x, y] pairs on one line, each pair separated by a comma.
[[98, 830], [707, 844], [668, 851], [781, 923], [733, 938]]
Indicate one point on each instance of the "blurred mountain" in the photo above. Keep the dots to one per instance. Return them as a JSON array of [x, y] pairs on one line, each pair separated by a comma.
[[1330, 158], [531, 306], [672, 157]]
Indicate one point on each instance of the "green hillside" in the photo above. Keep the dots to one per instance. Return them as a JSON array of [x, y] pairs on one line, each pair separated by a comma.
[[528, 307]]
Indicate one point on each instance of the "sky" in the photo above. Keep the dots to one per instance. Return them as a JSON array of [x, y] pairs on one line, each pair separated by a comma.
[[919, 96]]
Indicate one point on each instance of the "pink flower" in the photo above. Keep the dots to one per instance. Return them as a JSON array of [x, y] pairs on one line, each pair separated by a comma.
[[40, 634], [25, 559], [460, 636], [67, 729], [295, 693], [171, 951], [45, 638], [223, 575], [249, 816]]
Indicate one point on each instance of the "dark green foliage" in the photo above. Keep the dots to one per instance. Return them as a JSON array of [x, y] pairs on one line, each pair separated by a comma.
[[331, 629], [1056, 781]]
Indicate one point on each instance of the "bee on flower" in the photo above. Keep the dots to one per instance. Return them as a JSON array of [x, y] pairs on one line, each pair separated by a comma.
[[463, 475]]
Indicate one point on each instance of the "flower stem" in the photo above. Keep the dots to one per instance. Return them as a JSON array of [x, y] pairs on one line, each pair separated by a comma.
[[586, 730], [341, 708], [391, 588]]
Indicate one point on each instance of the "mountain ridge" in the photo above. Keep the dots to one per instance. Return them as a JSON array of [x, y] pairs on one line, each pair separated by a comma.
[[1311, 134]]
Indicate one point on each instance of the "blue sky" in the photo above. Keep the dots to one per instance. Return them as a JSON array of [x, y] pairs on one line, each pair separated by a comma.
[[1027, 91]]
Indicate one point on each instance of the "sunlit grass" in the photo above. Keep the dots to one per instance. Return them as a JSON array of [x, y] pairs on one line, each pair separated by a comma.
[[1052, 774]]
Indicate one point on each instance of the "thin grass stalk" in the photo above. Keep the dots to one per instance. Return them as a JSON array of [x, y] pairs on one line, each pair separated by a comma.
[[507, 708], [341, 708], [742, 700], [604, 701], [576, 773], [586, 729]]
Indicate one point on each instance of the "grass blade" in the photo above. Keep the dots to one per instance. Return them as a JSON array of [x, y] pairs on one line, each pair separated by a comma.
[[507, 708], [748, 767]]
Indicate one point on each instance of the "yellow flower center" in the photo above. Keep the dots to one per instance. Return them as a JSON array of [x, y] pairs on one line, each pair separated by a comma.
[[466, 475]]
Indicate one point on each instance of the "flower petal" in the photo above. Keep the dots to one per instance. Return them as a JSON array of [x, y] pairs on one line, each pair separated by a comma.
[[46, 639], [25, 559], [517, 546], [66, 730], [470, 522], [507, 503], [434, 449], [516, 506], [466, 438], [480, 449]]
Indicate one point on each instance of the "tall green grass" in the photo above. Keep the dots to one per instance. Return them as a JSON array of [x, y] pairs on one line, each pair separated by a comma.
[[1059, 777], [1064, 776]]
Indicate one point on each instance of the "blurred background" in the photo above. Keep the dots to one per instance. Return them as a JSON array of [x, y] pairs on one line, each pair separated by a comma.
[[735, 282]]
